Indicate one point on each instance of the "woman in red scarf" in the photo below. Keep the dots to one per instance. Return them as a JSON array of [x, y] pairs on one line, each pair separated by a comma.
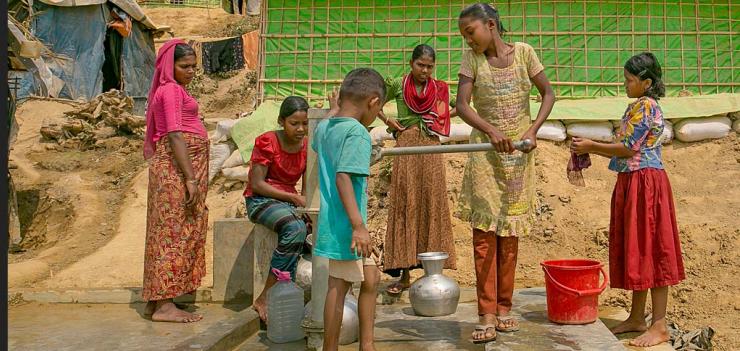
[[419, 215], [176, 145]]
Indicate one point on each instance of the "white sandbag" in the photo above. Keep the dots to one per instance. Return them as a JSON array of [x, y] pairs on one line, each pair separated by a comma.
[[223, 130], [240, 173], [380, 134], [552, 130], [696, 129], [458, 132], [599, 131], [234, 160], [220, 152]]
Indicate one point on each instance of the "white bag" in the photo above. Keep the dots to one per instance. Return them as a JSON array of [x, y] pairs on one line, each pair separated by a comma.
[[598, 131], [240, 173], [696, 129], [219, 154], [458, 132], [552, 130], [380, 134], [234, 160], [223, 130]]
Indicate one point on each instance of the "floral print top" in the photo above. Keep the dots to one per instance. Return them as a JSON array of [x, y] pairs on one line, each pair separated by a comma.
[[641, 130]]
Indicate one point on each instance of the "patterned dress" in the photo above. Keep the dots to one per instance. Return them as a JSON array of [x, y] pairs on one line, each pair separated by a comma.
[[498, 188], [419, 214]]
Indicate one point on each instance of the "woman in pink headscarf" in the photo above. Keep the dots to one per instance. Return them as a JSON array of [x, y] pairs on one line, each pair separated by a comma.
[[176, 145]]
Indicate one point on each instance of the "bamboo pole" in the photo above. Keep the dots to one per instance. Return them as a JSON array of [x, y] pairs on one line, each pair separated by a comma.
[[533, 33], [562, 83]]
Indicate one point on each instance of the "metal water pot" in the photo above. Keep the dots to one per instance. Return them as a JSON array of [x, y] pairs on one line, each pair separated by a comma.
[[350, 331], [434, 294], [303, 272]]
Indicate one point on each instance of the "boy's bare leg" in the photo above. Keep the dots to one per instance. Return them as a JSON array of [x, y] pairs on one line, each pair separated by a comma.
[[366, 302], [636, 321], [658, 331], [333, 309]]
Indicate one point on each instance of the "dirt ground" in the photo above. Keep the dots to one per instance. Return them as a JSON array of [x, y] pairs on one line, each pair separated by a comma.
[[78, 206]]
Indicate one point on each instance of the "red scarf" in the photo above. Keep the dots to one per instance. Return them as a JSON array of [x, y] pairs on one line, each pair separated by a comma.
[[433, 103], [576, 165]]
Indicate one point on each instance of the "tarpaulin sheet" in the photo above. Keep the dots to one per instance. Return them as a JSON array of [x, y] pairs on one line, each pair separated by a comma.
[[138, 61], [76, 36], [583, 44], [263, 119], [79, 51]]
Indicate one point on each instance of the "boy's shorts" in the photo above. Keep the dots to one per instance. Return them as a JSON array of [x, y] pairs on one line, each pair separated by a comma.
[[350, 270]]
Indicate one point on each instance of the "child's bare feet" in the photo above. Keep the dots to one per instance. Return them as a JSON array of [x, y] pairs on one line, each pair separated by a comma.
[[168, 312], [656, 334], [629, 325], [260, 305]]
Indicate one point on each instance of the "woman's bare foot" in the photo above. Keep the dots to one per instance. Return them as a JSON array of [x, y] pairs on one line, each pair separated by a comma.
[[629, 325], [260, 305], [396, 288], [656, 334], [168, 312], [149, 308]]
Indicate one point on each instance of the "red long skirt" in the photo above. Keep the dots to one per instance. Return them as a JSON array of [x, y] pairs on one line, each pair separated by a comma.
[[644, 249]]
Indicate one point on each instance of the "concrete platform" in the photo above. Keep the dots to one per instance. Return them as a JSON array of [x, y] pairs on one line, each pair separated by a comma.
[[121, 327], [396, 328]]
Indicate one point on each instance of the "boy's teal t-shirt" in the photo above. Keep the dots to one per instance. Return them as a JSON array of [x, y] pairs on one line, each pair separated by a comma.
[[342, 145]]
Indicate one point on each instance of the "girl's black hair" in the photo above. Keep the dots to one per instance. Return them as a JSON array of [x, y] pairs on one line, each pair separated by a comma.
[[484, 12], [644, 66], [423, 50], [182, 50], [291, 105]]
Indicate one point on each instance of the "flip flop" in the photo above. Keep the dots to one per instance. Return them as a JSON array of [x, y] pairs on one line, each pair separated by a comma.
[[484, 328], [503, 320]]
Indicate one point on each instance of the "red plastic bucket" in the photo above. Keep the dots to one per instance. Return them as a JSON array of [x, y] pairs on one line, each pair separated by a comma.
[[573, 290]]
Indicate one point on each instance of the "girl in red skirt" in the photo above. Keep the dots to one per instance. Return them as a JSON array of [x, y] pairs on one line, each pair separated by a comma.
[[644, 249]]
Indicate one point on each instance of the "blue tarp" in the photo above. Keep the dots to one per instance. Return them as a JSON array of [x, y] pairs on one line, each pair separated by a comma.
[[138, 61], [76, 35]]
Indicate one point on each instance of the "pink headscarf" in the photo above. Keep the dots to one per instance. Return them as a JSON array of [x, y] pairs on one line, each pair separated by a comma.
[[164, 73]]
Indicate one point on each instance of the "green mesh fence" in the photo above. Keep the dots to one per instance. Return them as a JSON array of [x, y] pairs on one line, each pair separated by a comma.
[[308, 46]]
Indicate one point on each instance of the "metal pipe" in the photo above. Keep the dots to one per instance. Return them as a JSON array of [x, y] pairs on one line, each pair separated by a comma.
[[445, 149], [314, 325]]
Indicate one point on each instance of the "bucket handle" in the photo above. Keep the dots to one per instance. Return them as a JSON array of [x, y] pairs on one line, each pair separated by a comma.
[[579, 293]]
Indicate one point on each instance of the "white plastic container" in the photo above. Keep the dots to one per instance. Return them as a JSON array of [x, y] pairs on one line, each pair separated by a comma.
[[284, 310]]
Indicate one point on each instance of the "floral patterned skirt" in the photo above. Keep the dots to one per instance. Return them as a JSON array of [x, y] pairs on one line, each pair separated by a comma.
[[174, 257]]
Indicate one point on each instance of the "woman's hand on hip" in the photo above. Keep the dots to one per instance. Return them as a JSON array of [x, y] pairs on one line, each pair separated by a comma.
[[193, 193]]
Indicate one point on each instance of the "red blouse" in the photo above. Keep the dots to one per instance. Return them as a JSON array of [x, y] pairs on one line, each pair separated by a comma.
[[284, 169]]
